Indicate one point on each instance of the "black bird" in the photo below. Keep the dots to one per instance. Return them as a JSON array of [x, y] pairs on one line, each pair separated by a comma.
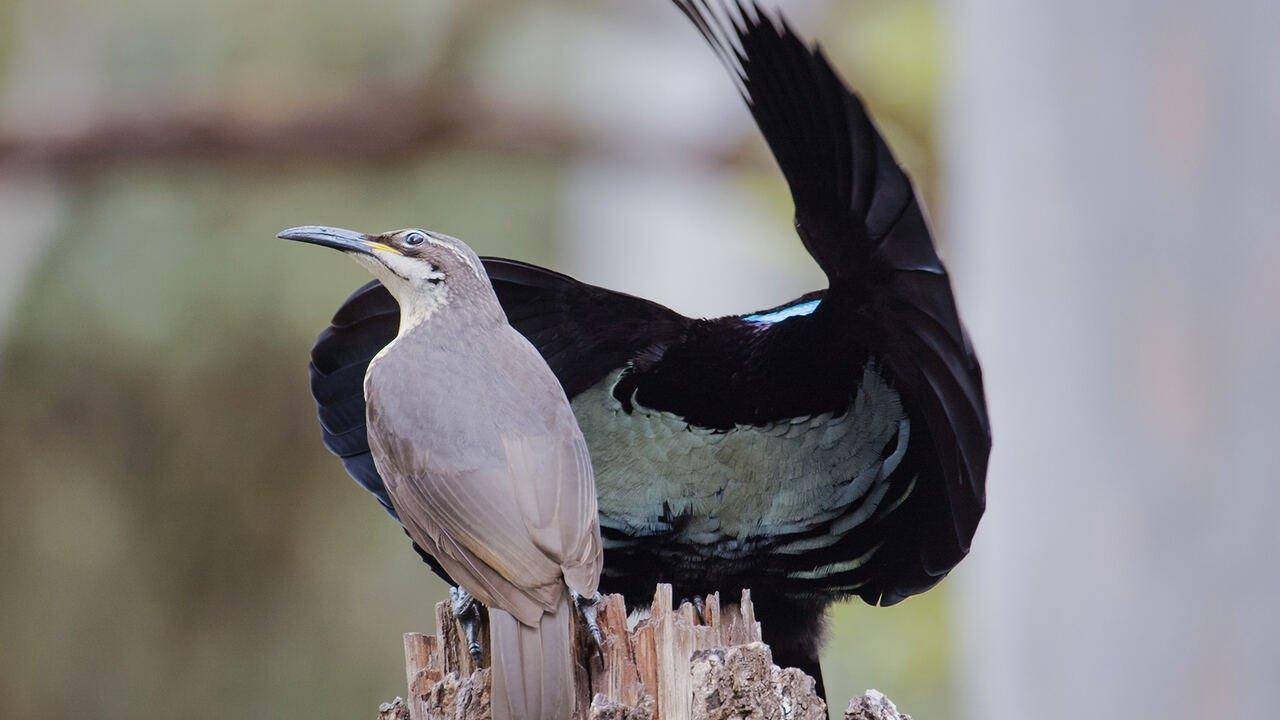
[[833, 446]]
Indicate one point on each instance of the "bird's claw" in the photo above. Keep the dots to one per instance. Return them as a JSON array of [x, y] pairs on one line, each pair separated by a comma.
[[587, 607], [467, 611]]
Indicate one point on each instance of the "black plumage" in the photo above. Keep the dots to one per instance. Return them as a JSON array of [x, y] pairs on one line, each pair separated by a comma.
[[881, 356]]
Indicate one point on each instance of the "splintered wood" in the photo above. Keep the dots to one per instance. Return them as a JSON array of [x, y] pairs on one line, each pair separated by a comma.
[[679, 663]]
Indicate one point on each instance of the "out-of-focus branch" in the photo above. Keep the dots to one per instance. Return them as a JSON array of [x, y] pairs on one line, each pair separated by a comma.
[[373, 126], [377, 125]]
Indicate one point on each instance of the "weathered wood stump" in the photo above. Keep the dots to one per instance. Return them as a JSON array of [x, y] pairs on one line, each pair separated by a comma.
[[675, 663]]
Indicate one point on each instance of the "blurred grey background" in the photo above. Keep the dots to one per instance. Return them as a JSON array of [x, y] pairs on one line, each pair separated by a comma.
[[1104, 179]]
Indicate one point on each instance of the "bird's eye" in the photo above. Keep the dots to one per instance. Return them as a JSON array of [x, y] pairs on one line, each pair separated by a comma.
[[414, 239]]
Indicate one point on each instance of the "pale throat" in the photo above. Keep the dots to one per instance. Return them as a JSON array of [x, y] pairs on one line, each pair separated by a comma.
[[418, 307], [419, 300]]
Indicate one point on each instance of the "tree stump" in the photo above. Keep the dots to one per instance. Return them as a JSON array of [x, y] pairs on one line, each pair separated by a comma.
[[676, 663]]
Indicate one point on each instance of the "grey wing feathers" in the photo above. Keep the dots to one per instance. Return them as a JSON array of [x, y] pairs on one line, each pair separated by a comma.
[[564, 524]]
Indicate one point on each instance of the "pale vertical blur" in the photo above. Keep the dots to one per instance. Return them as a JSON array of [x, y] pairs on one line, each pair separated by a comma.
[[173, 538], [1113, 197]]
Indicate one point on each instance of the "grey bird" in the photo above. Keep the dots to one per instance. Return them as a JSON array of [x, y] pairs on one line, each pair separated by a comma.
[[483, 459]]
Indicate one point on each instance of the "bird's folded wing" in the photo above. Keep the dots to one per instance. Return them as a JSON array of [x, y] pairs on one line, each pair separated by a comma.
[[512, 532], [562, 521]]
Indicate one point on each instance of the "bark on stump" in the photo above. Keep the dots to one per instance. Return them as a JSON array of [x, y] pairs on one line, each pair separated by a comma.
[[676, 663]]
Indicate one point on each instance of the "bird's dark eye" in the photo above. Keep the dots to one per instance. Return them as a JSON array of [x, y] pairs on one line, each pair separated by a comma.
[[414, 239]]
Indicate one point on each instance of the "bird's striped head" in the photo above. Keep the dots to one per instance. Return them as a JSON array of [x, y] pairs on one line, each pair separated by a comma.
[[421, 268]]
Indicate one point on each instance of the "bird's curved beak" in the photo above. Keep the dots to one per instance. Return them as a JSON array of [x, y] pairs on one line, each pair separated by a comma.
[[336, 238]]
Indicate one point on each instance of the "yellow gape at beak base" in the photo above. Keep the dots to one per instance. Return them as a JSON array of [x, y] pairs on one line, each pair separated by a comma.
[[382, 246]]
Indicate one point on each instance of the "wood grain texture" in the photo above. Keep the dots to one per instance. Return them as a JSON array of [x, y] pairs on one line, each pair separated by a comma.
[[686, 661]]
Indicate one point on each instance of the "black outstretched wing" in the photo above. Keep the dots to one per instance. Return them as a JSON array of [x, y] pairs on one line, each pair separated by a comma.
[[583, 332], [848, 190], [858, 216], [366, 323]]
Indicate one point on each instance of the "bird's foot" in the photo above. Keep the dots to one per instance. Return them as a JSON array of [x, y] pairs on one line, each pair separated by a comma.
[[467, 610], [587, 607]]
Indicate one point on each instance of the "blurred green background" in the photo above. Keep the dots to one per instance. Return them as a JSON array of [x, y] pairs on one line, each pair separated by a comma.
[[173, 537]]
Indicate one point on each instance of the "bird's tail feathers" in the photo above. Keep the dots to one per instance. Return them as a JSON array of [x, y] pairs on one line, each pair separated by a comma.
[[532, 665]]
